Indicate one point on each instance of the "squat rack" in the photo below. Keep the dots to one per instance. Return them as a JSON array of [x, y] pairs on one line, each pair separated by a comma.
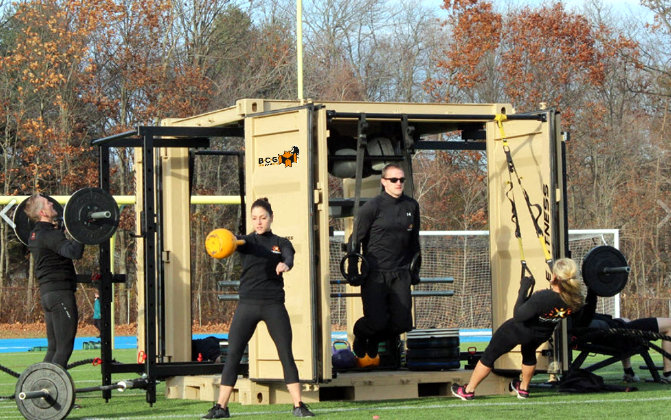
[[151, 364]]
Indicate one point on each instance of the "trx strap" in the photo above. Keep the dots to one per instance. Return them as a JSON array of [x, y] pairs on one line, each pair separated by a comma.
[[353, 257], [510, 195], [408, 144], [360, 155]]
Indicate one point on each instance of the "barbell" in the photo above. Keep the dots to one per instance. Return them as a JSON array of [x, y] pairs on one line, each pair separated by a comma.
[[605, 270], [221, 243], [46, 391], [91, 216]]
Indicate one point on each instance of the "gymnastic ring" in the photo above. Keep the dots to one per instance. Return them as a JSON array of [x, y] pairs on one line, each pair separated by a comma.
[[354, 279]]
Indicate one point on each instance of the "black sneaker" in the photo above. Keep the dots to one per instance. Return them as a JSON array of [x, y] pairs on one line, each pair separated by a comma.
[[217, 412], [459, 391], [302, 411]]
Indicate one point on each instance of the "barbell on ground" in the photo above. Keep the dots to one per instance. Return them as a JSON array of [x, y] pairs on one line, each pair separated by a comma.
[[45, 391], [221, 243], [91, 216], [605, 270]]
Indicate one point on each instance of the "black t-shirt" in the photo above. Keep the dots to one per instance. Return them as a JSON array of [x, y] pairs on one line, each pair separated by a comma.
[[260, 255], [388, 230], [53, 254], [541, 312]]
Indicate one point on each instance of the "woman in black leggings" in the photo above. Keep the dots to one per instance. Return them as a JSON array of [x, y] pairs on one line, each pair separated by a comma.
[[265, 256], [53, 254], [534, 319]]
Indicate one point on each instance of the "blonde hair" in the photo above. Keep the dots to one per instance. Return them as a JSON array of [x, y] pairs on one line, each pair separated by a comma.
[[33, 207], [571, 289]]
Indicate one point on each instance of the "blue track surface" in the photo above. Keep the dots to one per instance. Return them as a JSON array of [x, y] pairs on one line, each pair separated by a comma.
[[10, 345]]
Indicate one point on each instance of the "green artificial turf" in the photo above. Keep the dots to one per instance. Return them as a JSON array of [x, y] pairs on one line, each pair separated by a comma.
[[650, 401]]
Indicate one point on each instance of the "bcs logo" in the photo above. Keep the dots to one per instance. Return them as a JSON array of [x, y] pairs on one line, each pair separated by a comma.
[[288, 158]]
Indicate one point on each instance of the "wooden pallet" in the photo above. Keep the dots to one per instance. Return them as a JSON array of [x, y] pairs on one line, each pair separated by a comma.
[[374, 385]]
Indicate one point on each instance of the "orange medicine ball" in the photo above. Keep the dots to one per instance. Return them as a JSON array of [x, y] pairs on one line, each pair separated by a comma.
[[221, 243]]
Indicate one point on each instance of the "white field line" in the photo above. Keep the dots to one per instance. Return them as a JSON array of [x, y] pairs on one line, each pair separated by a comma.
[[5, 407]]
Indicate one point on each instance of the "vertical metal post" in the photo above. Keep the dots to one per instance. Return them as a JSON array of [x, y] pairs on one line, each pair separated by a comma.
[[149, 221], [160, 272], [241, 181], [105, 281]]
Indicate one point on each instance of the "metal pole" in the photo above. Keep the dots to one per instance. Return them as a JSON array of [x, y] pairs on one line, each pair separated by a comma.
[[299, 48]]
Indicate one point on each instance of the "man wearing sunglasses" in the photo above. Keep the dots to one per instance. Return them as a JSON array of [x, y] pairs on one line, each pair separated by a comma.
[[388, 230]]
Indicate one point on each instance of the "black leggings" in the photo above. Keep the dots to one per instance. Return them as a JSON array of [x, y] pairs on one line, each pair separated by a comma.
[[387, 304], [246, 316], [61, 317], [510, 334]]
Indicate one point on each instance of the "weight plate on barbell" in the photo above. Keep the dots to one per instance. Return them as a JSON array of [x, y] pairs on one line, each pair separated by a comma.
[[23, 225], [595, 273], [53, 378], [78, 216]]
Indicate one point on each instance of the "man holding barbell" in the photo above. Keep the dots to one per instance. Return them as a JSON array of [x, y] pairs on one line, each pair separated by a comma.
[[388, 230], [55, 272]]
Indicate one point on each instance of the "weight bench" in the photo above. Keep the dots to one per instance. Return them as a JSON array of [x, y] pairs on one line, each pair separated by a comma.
[[617, 346]]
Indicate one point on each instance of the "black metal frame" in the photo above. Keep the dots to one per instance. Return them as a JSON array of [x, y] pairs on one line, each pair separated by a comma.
[[149, 138]]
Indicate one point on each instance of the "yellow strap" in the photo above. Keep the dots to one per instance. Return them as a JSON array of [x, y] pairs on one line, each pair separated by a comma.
[[546, 251], [500, 118]]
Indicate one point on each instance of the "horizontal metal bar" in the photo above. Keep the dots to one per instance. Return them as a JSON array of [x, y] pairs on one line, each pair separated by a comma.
[[130, 199], [86, 278], [138, 368], [103, 140], [609, 270], [180, 131], [99, 388], [29, 395], [422, 280], [228, 297], [424, 293], [197, 142], [166, 370], [414, 293], [229, 283], [450, 145], [430, 117], [100, 214], [436, 279], [381, 158], [219, 153]]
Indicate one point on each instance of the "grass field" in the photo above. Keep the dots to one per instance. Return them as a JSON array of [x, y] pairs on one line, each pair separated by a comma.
[[650, 401]]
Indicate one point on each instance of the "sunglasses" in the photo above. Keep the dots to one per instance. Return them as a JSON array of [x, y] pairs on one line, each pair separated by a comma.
[[395, 180]]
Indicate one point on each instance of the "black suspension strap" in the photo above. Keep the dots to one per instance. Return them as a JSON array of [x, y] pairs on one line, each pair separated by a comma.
[[362, 141], [353, 265]]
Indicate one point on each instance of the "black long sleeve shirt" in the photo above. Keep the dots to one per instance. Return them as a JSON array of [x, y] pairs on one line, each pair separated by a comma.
[[53, 254], [260, 254], [388, 230], [541, 312]]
